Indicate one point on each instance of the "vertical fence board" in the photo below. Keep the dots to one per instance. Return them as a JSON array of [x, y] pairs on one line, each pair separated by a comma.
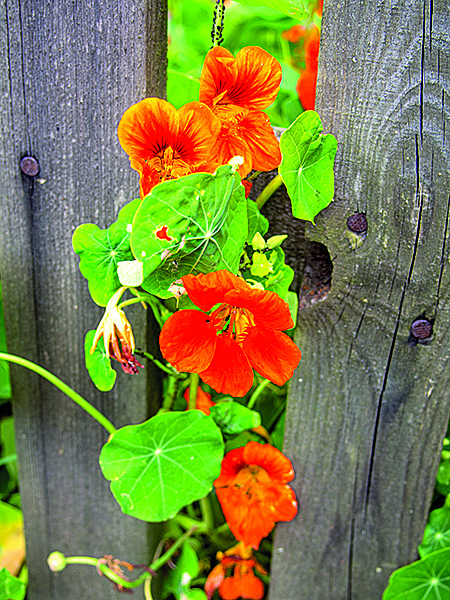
[[367, 410], [67, 73]]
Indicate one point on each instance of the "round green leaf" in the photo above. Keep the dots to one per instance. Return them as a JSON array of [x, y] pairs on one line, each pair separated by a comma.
[[101, 250], [159, 466], [98, 364], [437, 532], [193, 224], [307, 165], [425, 579]]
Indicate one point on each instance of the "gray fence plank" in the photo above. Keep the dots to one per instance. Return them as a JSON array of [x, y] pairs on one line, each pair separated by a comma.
[[367, 411], [67, 73]]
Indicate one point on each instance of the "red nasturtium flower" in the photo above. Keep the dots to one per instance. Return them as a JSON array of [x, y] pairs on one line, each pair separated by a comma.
[[234, 577], [253, 492], [117, 335], [237, 90], [203, 401], [165, 143], [242, 334]]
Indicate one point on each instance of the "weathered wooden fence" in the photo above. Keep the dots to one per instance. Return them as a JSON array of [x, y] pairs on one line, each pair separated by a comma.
[[367, 410], [68, 70]]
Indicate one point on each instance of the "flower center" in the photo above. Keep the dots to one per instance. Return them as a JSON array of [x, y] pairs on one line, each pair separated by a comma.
[[169, 165], [252, 481], [232, 320]]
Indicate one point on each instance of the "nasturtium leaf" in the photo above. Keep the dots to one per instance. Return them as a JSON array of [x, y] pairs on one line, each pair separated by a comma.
[[98, 364], [307, 165], [11, 588], [130, 273], [100, 251], [291, 8], [425, 579], [257, 223], [437, 532], [193, 224], [163, 464], [233, 418]]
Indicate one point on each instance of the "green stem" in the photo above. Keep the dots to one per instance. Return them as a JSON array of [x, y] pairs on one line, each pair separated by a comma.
[[256, 394], [84, 404], [8, 459], [207, 513], [159, 364], [116, 578], [148, 589], [270, 189], [173, 384], [193, 387]]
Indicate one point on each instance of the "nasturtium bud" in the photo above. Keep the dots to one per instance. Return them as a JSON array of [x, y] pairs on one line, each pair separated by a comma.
[[258, 242], [56, 561], [275, 241], [261, 265]]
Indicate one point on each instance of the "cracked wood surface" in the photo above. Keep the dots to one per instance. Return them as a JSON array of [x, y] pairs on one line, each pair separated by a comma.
[[367, 411], [68, 71]]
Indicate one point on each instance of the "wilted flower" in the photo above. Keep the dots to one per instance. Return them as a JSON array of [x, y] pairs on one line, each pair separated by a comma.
[[117, 335]]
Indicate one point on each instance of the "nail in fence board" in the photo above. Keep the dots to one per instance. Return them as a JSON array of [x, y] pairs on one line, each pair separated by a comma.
[[68, 70], [367, 411]]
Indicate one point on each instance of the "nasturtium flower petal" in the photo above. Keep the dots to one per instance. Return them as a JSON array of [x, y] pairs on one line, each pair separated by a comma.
[[257, 133], [252, 491], [250, 80], [230, 371], [271, 353], [188, 341], [206, 290], [267, 308]]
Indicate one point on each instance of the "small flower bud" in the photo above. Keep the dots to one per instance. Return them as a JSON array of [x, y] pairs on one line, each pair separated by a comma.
[[56, 561]]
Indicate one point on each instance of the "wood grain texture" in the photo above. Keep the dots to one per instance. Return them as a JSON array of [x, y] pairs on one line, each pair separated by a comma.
[[68, 71], [367, 411]]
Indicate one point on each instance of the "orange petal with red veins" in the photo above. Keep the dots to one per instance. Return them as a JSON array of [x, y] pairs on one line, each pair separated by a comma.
[[252, 80], [267, 308], [256, 131], [207, 290], [271, 353], [188, 341], [199, 127], [278, 466], [230, 144], [229, 371], [148, 127]]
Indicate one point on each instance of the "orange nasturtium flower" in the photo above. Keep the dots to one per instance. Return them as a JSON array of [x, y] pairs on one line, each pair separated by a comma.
[[237, 90], [306, 85], [253, 492], [117, 335], [165, 143], [242, 334], [234, 577]]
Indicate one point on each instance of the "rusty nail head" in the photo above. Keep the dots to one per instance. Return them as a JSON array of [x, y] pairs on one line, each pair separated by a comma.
[[357, 223], [29, 166], [421, 329]]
